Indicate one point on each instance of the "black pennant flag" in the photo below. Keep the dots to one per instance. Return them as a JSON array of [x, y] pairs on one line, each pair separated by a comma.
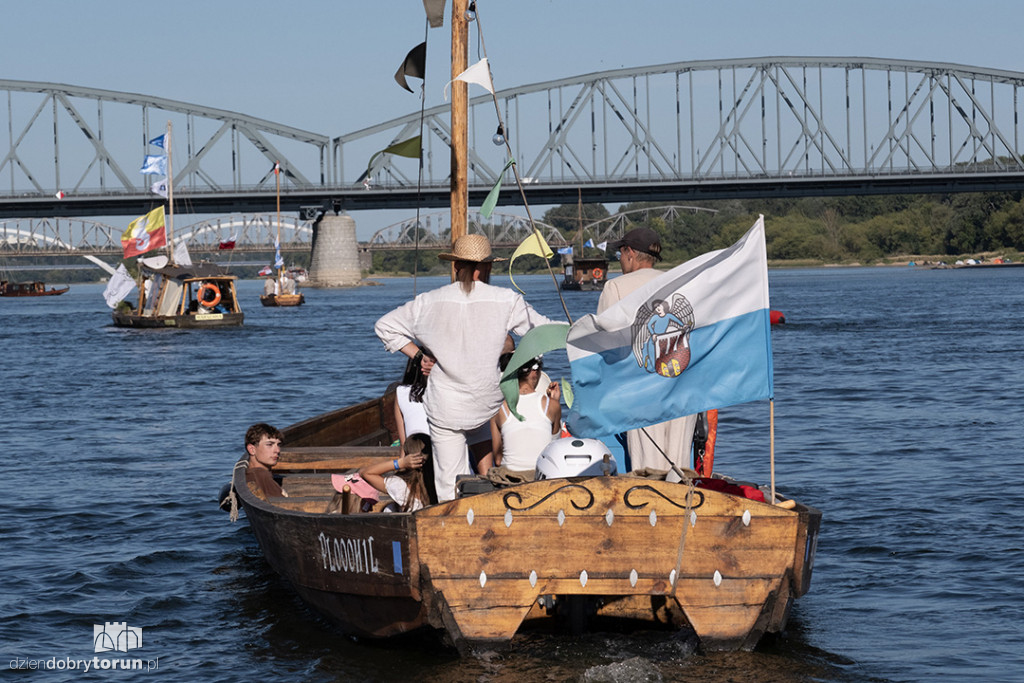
[[415, 65]]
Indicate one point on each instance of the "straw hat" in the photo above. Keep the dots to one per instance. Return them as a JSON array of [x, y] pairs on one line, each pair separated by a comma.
[[474, 248]]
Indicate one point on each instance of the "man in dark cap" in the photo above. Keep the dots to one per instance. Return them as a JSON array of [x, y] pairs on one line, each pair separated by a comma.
[[639, 249]]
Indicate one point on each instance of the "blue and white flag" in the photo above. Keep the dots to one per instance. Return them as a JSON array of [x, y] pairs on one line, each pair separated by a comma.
[[565, 250], [278, 261], [154, 163], [158, 141], [589, 243], [160, 188], [695, 338]]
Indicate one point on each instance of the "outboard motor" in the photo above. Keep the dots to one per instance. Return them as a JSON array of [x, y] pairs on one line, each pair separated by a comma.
[[575, 457]]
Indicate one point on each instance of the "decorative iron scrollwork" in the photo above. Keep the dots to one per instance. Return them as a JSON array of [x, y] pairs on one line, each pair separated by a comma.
[[698, 498], [519, 499]]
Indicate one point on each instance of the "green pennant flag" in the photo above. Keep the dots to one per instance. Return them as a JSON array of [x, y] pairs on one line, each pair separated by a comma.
[[411, 148], [487, 208]]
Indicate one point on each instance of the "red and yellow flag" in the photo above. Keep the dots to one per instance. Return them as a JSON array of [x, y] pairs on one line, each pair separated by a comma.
[[144, 233]]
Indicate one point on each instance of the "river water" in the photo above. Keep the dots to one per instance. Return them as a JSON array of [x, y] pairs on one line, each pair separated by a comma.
[[898, 413]]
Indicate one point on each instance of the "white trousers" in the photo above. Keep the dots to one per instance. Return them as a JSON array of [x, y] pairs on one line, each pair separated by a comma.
[[451, 455]]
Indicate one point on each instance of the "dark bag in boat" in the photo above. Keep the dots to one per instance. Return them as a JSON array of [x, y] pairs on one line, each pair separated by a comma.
[[468, 485], [741, 490]]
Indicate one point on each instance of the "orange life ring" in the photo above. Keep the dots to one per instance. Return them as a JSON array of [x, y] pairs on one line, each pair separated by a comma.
[[597, 273], [201, 295]]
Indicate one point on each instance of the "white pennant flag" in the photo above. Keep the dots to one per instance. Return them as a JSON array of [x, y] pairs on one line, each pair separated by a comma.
[[181, 256], [121, 283], [159, 187], [603, 246], [479, 73]]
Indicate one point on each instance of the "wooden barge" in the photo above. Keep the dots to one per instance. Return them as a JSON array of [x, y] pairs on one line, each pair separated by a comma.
[[665, 555]]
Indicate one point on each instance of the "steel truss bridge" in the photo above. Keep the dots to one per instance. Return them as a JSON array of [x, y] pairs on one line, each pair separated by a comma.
[[771, 126], [27, 238]]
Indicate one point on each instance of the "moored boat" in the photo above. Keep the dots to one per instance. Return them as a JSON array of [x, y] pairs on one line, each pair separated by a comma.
[[283, 293], [36, 288]]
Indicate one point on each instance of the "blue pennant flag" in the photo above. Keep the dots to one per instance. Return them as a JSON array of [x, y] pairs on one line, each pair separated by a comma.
[[154, 163], [565, 250], [159, 141], [589, 243]]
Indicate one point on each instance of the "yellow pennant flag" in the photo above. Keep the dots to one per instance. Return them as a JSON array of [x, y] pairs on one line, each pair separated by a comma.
[[534, 244]]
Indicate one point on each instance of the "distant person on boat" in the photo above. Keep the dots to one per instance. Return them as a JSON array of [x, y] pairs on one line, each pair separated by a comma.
[[402, 478], [269, 286], [465, 324], [287, 284], [518, 444], [263, 444], [639, 249]]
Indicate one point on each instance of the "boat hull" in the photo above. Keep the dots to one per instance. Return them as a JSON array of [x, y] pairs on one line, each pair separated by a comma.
[[659, 553], [23, 290], [282, 299], [183, 321]]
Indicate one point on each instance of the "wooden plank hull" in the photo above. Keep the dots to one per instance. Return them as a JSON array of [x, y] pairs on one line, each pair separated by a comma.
[[652, 551], [183, 321], [282, 299]]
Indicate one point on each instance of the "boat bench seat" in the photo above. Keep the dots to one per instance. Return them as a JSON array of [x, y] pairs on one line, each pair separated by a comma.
[[329, 459], [315, 504]]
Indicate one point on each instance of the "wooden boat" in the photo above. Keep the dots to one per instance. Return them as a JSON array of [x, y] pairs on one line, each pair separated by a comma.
[[29, 289], [200, 295], [585, 274], [281, 297], [654, 552]]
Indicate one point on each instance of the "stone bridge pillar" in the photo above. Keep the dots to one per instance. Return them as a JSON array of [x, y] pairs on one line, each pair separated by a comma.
[[335, 258]]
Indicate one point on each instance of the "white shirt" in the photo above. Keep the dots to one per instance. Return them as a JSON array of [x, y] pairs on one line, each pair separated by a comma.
[[617, 289], [522, 442], [465, 333], [413, 414], [399, 492]]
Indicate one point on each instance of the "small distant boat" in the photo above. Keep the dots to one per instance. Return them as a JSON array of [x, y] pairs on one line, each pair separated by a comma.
[[29, 289], [199, 295], [585, 274], [281, 297]]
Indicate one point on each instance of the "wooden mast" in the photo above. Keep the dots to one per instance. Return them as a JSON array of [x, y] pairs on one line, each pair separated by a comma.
[[459, 112]]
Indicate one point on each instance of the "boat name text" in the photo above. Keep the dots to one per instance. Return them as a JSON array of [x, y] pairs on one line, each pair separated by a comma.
[[348, 554]]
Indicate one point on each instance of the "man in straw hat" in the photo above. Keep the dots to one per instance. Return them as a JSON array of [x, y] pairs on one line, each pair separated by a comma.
[[639, 249], [465, 325]]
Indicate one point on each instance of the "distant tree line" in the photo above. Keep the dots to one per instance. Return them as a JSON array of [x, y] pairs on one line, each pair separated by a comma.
[[866, 229]]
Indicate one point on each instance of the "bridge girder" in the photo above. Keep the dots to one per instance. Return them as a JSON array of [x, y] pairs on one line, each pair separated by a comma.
[[771, 126]]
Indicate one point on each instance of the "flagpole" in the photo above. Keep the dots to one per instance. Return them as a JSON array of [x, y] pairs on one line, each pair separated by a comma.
[[280, 268], [170, 197], [771, 432]]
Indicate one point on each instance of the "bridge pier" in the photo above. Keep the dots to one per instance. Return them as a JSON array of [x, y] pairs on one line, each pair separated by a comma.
[[335, 258]]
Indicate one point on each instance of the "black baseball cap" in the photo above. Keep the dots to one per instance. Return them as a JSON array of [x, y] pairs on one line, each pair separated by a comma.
[[640, 239]]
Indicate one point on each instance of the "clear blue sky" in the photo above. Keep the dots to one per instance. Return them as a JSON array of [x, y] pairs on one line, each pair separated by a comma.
[[328, 65]]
